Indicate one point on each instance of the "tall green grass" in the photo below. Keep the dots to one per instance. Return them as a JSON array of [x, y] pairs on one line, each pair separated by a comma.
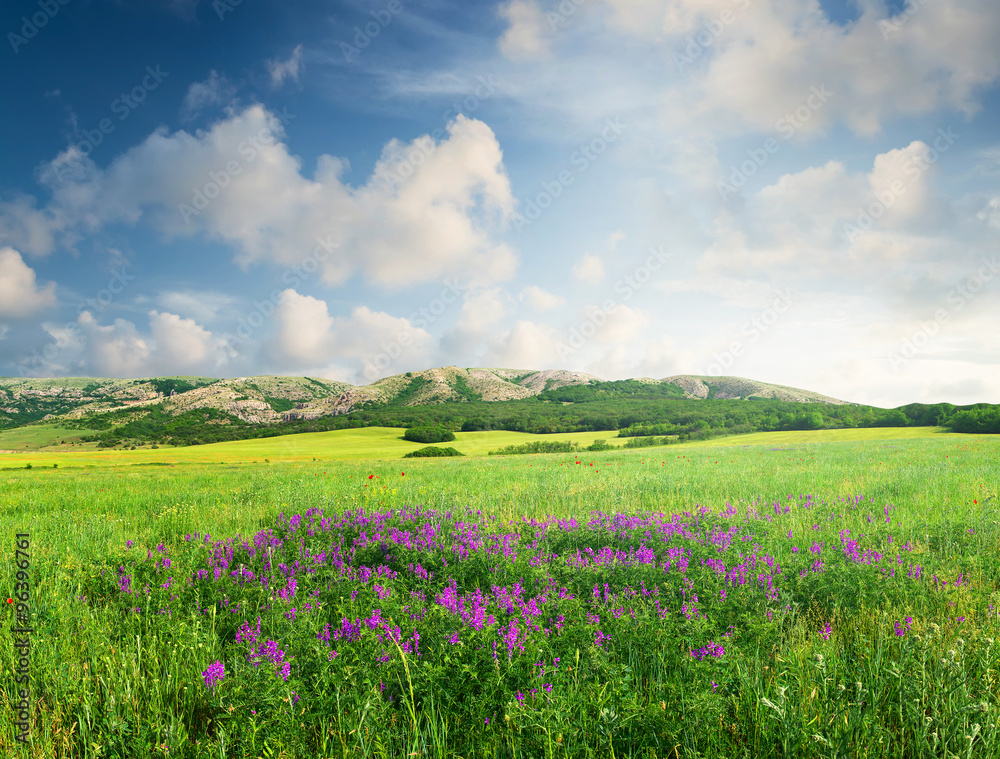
[[110, 681]]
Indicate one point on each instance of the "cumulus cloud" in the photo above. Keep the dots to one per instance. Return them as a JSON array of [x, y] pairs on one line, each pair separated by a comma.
[[525, 346], [282, 70], [28, 228], [727, 66], [622, 327], [170, 344], [374, 343], [540, 300], [20, 294], [181, 344], [481, 311], [431, 208], [589, 269], [304, 335], [113, 350], [900, 178], [528, 31], [762, 63], [828, 223]]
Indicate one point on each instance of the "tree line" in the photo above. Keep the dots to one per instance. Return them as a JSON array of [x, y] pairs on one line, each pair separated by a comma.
[[623, 407]]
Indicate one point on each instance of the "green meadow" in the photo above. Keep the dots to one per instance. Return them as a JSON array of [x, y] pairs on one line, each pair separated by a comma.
[[353, 444], [35, 436], [814, 594], [38, 445]]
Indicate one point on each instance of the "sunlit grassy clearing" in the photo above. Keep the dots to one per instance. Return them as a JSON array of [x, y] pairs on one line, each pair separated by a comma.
[[792, 437], [375, 443], [40, 435], [364, 443]]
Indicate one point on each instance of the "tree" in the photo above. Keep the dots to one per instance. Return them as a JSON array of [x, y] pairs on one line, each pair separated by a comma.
[[429, 434]]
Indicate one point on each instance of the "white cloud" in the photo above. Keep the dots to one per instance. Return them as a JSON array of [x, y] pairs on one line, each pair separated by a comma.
[[763, 63], [171, 345], [899, 177], [115, 350], [827, 222], [308, 336], [728, 66], [733, 292], [540, 300], [528, 31], [304, 334], [991, 213], [27, 228], [481, 311], [430, 209], [282, 70], [181, 344], [526, 346], [622, 327], [663, 358], [589, 269], [201, 305], [20, 295], [216, 90]]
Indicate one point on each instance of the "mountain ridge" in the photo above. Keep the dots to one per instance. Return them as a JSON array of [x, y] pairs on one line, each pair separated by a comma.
[[270, 399]]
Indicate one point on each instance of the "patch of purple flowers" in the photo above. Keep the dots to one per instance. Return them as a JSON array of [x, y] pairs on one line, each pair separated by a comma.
[[214, 674]]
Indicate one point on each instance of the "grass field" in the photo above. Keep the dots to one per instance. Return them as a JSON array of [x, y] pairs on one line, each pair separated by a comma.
[[794, 594], [373, 443], [37, 436], [367, 443]]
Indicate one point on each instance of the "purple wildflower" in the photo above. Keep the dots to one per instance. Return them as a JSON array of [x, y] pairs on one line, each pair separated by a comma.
[[214, 674]]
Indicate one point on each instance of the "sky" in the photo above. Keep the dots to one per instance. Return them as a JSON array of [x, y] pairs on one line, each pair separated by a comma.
[[802, 192]]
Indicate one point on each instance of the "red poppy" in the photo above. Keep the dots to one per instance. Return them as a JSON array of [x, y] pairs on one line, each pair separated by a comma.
[[371, 476], [402, 474]]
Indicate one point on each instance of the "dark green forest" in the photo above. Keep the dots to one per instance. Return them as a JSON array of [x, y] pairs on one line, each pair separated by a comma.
[[634, 408]]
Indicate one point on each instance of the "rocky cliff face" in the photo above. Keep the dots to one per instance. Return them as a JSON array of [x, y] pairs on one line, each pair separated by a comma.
[[252, 412]]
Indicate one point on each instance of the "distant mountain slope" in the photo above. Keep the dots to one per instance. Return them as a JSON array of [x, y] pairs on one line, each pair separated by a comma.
[[25, 400], [271, 399], [725, 388]]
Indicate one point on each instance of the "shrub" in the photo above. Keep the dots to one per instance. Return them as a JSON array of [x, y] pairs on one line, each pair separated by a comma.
[[600, 445], [431, 433], [541, 446], [644, 442], [431, 451]]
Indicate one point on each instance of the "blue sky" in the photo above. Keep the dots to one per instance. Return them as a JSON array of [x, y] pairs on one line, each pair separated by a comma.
[[800, 192]]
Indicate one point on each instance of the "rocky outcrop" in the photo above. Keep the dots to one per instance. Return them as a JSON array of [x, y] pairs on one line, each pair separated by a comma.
[[252, 412]]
